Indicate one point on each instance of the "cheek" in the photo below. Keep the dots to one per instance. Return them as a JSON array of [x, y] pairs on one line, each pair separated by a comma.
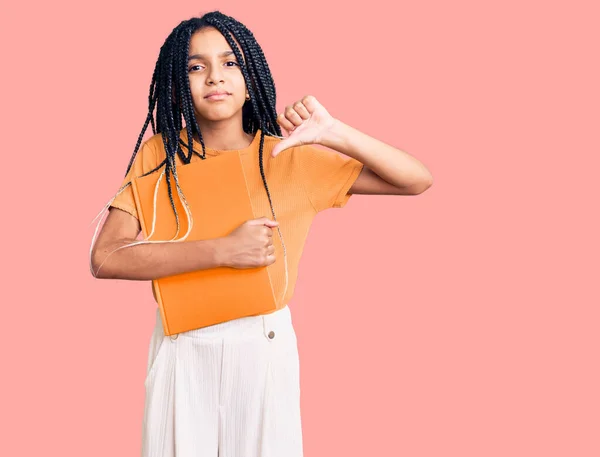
[[237, 81], [196, 88]]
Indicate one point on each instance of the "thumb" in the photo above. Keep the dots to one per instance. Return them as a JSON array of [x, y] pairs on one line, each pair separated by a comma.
[[263, 221], [289, 142]]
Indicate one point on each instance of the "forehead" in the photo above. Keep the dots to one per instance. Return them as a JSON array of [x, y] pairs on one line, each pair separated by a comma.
[[209, 41]]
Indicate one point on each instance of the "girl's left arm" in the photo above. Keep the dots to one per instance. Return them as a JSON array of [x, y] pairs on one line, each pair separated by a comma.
[[387, 170]]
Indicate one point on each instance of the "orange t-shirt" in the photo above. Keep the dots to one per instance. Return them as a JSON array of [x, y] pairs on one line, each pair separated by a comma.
[[302, 180]]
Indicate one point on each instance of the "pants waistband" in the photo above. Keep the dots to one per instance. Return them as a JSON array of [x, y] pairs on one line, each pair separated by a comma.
[[267, 323]]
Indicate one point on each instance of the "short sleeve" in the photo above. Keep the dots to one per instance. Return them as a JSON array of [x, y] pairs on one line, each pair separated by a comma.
[[327, 176], [145, 160]]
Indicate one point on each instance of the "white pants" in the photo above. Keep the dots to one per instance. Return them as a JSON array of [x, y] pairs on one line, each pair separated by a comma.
[[227, 390]]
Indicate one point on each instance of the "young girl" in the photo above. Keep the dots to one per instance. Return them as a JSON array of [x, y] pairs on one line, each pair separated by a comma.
[[232, 389]]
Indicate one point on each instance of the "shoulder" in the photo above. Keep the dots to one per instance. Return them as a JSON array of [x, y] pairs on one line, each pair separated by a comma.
[[156, 147], [155, 142], [269, 143]]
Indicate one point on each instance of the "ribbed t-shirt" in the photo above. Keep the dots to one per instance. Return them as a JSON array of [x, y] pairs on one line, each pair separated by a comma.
[[302, 180]]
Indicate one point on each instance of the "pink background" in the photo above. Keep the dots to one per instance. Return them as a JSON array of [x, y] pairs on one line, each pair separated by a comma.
[[460, 322]]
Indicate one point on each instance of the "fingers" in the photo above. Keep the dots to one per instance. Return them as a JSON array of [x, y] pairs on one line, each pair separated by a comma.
[[269, 256], [294, 115], [285, 123], [268, 233], [301, 110], [262, 221]]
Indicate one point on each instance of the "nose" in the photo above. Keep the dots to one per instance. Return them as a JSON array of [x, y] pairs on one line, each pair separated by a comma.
[[215, 75]]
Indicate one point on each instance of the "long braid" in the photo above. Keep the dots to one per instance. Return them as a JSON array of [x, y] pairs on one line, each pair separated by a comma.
[[152, 100], [172, 130], [186, 99]]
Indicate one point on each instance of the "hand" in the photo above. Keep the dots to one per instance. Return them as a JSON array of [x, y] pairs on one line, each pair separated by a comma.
[[250, 245], [306, 121]]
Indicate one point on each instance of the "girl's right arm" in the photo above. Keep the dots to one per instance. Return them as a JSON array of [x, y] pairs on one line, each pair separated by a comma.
[[149, 261]]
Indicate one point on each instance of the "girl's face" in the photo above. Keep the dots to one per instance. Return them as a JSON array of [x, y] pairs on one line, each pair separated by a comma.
[[213, 66]]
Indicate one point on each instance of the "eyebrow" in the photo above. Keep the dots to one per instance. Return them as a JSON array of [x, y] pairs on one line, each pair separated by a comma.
[[201, 56]]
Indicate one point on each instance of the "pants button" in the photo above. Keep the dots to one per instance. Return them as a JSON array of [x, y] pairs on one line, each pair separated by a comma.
[[271, 334], [174, 337]]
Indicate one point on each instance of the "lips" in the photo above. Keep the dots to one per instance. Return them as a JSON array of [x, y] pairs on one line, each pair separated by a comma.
[[217, 94]]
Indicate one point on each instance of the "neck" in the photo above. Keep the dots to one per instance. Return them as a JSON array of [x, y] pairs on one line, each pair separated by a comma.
[[224, 135]]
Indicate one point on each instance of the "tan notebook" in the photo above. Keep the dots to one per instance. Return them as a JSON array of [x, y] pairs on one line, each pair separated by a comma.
[[216, 192]]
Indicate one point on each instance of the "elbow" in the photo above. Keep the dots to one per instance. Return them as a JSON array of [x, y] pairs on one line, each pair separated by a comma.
[[423, 185], [94, 269], [98, 267], [426, 185], [93, 263], [416, 189]]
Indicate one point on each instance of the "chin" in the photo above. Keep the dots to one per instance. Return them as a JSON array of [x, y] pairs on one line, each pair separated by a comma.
[[216, 116], [216, 113]]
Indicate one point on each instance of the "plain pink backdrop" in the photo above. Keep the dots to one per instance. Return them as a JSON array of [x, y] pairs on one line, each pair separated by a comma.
[[460, 322]]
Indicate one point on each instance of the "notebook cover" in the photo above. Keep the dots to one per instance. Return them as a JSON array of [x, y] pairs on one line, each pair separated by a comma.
[[216, 192]]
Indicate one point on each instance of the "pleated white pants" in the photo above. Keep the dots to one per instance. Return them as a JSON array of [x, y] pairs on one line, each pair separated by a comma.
[[228, 390]]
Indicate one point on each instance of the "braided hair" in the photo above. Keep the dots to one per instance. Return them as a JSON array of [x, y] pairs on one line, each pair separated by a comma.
[[170, 95], [170, 79]]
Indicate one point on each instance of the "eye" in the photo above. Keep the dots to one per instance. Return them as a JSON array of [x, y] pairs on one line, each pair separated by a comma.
[[194, 66], [231, 61]]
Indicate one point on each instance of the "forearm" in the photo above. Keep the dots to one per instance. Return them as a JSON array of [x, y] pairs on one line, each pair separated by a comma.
[[156, 260], [392, 164]]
